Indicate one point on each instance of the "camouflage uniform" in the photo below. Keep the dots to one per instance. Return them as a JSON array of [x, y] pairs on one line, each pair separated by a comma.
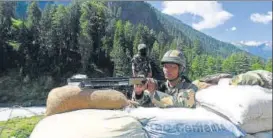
[[143, 100], [181, 95], [141, 63]]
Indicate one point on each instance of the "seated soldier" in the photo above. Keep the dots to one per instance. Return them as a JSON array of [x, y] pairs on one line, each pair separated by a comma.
[[177, 91], [140, 96]]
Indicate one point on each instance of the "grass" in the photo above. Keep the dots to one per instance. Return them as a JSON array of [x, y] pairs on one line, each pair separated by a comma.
[[19, 127]]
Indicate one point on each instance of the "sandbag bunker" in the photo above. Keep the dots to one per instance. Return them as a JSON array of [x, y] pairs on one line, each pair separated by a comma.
[[241, 109]]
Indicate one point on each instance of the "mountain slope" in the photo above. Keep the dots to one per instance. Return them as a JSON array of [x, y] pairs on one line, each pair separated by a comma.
[[21, 7], [262, 50], [209, 44], [138, 12], [142, 12]]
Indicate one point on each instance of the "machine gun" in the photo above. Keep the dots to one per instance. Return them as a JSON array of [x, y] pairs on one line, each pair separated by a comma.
[[123, 84]]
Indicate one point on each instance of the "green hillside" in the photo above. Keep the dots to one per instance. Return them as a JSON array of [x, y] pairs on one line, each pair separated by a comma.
[[99, 39]]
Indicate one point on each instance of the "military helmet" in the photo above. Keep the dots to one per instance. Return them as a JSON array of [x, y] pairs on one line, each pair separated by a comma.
[[175, 56], [141, 46]]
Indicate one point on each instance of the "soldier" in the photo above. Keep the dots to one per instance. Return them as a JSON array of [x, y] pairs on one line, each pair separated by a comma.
[[141, 62], [177, 91], [140, 95]]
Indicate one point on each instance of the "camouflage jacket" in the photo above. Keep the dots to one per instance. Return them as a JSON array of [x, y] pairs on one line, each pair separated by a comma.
[[182, 95], [141, 64], [143, 100]]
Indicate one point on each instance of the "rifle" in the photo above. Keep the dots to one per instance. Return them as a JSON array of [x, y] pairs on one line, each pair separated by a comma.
[[123, 84]]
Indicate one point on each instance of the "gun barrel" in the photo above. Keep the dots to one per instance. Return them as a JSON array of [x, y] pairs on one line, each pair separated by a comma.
[[99, 82], [105, 82]]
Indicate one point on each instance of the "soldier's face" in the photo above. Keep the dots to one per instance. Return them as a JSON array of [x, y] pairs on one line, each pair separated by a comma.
[[170, 71], [139, 88]]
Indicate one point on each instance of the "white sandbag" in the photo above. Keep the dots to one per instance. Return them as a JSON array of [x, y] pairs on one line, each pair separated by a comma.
[[89, 123], [185, 123], [249, 136], [224, 81], [241, 104], [258, 125], [267, 134]]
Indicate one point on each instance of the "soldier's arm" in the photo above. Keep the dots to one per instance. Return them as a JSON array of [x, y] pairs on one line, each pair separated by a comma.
[[185, 98], [160, 99], [144, 100]]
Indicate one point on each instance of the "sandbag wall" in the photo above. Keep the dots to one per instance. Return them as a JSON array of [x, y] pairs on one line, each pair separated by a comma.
[[243, 108], [247, 102]]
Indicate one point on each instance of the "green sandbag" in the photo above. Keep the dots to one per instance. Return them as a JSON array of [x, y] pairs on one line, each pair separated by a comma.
[[214, 79], [262, 78]]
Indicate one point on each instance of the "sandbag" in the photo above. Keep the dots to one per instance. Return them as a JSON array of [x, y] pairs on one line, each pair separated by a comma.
[[185, 123], [267, 134], [254, 126], [262, 78], [249, 136], [214, 79], [243, 105], [224, 81], [89, 123], [201, 85], [69, 98]]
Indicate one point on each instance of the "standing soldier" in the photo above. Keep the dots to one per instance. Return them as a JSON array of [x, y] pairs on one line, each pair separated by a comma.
[[177, 91], [141, 62]]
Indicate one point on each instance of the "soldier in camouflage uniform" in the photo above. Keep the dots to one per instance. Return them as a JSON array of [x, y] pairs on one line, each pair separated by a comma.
[[176, 91], [140, 95], [141, 62]]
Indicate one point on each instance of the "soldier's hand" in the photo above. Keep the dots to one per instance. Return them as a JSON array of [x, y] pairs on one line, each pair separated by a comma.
[[150, 75], [151, 85], [132, 103]]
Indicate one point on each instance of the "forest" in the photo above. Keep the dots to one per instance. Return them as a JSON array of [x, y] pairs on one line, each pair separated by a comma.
[[41, 51]]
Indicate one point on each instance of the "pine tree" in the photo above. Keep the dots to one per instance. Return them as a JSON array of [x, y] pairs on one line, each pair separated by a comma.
[[128, 33], [33, 15], [6, 51], [210, 66], [46, 38], [119, 54], [31, 66], [60, 42], [137, 41], [85, 39], [197, 49], [155, 53], [256, 64], [228, 65], [242, 63], [268, 66], [174, 44]]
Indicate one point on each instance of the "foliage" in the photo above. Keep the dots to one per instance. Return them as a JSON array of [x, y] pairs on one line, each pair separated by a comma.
[[100, 38], [19, 127]]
